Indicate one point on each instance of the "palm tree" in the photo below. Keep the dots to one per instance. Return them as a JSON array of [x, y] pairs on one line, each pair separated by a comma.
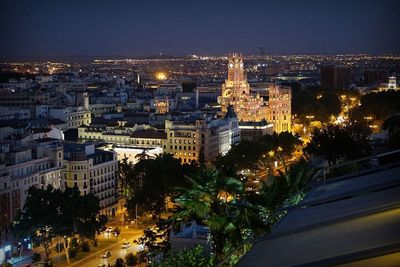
[[143, 155], [392, 123], [125, 172], [284, 190], [220, 203]]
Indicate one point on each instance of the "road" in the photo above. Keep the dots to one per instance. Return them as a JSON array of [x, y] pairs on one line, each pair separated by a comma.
[[115, 249], [128, 233]]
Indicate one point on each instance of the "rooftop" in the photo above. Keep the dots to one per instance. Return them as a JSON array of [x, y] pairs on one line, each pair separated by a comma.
[[149, 133], [350, 219]]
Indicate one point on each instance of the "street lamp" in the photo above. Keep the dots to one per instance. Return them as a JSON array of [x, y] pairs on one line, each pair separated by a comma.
[[368, 118]]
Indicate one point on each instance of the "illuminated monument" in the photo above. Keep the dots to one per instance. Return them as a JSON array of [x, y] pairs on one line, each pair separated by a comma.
[[248, 107]]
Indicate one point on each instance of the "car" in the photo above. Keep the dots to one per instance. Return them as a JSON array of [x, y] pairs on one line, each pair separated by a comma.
[[106, 254], [125, 245]]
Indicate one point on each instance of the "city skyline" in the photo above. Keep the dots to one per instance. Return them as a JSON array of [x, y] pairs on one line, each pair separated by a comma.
[[199, 133], [128, 29]]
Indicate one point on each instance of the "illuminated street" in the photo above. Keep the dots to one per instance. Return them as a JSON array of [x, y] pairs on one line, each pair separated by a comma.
[[212, 133]]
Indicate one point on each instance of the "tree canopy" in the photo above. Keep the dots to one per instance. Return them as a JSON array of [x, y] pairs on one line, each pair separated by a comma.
[[335, 143], [151, 180], [379, 106], [313, 101], [248, 154], [49, 212]]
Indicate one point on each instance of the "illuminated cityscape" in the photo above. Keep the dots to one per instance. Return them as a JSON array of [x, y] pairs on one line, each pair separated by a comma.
[[209, 133]]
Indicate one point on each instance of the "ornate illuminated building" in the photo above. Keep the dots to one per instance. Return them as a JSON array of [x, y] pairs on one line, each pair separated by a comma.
[[279, 107], [253, 108]]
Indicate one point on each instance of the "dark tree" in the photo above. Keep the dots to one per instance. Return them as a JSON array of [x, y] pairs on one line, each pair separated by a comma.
[[336, 143], [119, 263], [151, 180], [220, 203], [36, 257], [392, 125], [251, 154], [313, 101], [50, 212], [131, 260], [379, 106]]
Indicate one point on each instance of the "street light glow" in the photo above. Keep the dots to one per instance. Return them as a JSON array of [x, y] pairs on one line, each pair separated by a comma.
[[161, 76]]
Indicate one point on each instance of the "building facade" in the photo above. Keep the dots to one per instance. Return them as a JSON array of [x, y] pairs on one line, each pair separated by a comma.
[[335, 77], [123, 134], [38, 164], [279, 108], [236, 92], [92, 171], [201, 138], [250, 107]]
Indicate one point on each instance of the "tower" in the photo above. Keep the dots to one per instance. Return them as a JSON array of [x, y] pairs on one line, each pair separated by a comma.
[[280, 108], [392, 83], [236, 92]]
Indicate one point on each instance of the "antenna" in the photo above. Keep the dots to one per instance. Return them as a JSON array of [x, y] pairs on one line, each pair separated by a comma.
[[262, 52]]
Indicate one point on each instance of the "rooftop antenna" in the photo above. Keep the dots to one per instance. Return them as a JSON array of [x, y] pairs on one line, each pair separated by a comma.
[[197, 99], [262, 52]]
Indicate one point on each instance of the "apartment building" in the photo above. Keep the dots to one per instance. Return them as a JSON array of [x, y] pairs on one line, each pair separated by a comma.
[[94, 171], [199, 138]]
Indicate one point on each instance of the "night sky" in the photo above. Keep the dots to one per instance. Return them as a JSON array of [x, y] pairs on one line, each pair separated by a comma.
[[62, 28]]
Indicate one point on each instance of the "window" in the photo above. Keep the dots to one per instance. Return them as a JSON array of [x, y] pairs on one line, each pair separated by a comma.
[[75, 176]]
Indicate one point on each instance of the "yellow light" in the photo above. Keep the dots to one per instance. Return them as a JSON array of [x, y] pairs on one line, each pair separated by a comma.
[[161, 76], [319, 96]]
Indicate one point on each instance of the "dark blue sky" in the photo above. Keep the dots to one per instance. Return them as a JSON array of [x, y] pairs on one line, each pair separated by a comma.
[[145, 27]]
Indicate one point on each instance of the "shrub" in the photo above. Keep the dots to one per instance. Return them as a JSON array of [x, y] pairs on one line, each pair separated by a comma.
[[85, 246], [36, 257], [131, 259], [72, 252], [119, 263]]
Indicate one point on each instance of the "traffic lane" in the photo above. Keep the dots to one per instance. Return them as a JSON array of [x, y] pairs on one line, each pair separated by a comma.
[[118, 253], [95, 259]]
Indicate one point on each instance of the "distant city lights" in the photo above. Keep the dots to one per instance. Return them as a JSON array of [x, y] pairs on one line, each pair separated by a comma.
[[161, 76]]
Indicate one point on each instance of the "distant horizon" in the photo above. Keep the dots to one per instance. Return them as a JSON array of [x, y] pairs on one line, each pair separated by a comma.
[[171, 56]]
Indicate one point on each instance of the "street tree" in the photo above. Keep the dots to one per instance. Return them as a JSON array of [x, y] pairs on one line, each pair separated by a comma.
[[219, 202], [52, 212], [131, 260], [392, 126], [152, 180], [119, 263], [336, 143], [189, 257]]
